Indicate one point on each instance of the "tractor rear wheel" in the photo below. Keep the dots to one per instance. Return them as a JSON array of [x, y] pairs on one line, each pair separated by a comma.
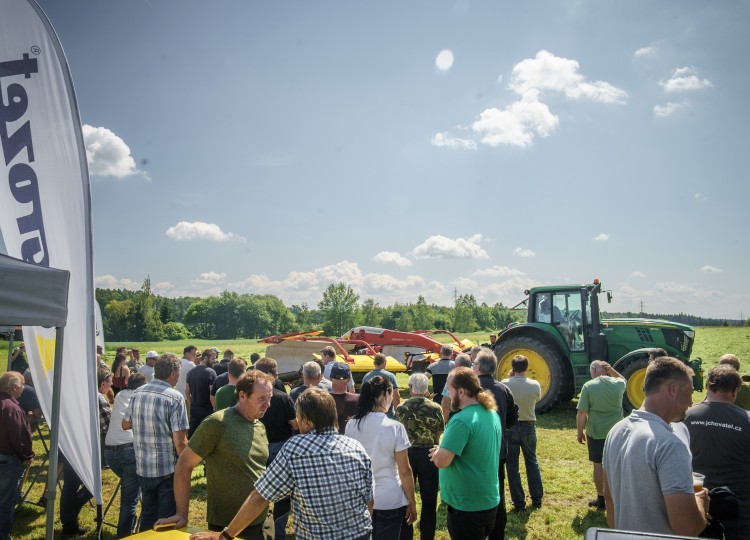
[[635, 373], [545, 367]]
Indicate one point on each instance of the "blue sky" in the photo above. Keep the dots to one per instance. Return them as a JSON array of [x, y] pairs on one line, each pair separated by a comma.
[[418, 147]]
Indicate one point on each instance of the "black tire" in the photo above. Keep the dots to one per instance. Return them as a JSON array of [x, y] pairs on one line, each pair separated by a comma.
[[545, 366], [634, 373]]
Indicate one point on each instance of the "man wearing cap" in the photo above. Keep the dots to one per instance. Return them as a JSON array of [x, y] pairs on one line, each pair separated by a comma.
[[328, 356], [346, 402], [379, 364], [147, 369]]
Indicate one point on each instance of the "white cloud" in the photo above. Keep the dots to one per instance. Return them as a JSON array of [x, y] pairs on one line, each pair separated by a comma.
[[509, 292], [601, 237], [465, 284], [637, 274], [662, 111], [385, 282], [684, 79], [198, 230], [443, 247], [523, 252], [210, 277], [547, 72], [700, 197], [529, 117], [518, 124], [645, 51], [163, 287], [497, 271], [108, 281], [107, 154], [711, 269], [443, 140], [392, 257]]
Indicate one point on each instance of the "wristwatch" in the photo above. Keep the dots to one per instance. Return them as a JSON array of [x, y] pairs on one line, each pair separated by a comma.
[[225, 534]]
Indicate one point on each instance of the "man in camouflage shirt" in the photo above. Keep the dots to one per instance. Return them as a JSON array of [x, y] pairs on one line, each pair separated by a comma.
[[423, 419]]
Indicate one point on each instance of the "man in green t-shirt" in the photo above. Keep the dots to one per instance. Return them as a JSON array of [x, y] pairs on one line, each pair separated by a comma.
[[234, 446], [226, 396], [469, 457], [599, 408]]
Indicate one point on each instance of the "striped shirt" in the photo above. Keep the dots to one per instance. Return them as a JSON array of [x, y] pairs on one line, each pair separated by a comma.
[[156, 411], [329, 478]]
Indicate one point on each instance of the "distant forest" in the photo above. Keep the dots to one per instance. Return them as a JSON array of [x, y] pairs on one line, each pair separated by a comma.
[[143, 316]]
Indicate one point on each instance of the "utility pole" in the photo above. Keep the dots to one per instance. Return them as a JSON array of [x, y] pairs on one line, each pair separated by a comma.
[[455, 296], [642, 312]]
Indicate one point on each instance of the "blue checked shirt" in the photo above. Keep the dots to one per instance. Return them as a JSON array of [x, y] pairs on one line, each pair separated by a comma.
[[329, 478], [156, 411]]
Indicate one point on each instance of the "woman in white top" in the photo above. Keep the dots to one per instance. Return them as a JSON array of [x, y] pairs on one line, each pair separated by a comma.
[[386, 442]]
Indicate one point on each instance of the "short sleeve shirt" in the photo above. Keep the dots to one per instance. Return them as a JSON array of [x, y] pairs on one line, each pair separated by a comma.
[[235, 451], [470, 482], [225, 397], [423, 420], [602, 399], [325, 505]]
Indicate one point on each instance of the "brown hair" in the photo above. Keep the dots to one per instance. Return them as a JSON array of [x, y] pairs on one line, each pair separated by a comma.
[[463, 377], [379, 359], [519, 364], [266, 365], [165, 365], [317, 407], [237, 366], [247, 381], [664, 369], [328, 351], [730, 359], [723, 378]]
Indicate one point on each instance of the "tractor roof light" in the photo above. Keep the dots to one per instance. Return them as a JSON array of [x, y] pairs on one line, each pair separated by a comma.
[[596, 281]]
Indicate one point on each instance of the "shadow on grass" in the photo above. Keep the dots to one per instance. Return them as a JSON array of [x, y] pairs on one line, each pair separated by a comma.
[[516, 526], [562, 417], [592, 518]]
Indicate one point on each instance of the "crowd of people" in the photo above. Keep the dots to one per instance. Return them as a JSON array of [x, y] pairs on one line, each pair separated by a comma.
[[347, 464]]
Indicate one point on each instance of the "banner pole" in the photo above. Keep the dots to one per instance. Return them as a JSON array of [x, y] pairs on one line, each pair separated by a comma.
[[54, 425]]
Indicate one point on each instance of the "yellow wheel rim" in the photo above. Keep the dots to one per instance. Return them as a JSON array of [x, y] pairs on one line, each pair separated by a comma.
[[538, 367], [635, 392]]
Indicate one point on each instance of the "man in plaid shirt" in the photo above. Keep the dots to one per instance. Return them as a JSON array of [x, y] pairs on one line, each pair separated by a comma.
[[311, 468], [158, 418]]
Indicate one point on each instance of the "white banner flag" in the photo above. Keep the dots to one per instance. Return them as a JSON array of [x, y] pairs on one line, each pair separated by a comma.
[[45, 217]]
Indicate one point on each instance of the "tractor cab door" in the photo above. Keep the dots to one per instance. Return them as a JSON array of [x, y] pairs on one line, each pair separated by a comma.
[[568, 314]]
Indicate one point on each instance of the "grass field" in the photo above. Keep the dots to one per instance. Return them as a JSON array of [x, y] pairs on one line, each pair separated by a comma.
[[566, 473]]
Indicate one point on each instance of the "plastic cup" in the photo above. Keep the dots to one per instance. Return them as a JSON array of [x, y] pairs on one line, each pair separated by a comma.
[[698, 479]]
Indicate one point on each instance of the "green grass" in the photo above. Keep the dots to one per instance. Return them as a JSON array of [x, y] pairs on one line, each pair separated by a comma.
[[566, 473]]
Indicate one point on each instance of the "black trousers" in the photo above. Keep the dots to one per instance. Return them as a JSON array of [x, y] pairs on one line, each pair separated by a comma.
[[470, 525]]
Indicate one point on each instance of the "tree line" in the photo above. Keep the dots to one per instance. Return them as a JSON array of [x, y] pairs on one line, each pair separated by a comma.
[[143, 316]]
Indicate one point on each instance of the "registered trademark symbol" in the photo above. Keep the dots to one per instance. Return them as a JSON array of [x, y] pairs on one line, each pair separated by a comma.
[[36, 50]]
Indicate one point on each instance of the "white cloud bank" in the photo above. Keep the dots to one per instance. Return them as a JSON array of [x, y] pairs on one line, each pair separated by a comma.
[[107, 154], [684, 79], [663, 111], [708, 269], [523, 252], [439, 246], [601, 237], [645, 51], [497, 271], [198, 230], [521, 122], [392, 257], [108, 281]]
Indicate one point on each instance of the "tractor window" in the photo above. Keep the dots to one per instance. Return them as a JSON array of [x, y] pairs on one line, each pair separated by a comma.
[[566, 315], [543, 311]]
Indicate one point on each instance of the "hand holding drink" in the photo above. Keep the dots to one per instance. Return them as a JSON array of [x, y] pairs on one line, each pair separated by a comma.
[[698, 479]]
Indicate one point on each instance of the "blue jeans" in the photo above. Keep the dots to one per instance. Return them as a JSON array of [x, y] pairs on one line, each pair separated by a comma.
[[122, 463], [522, 438], [11, 472], [157, 499], [280, 508], [386, 524]]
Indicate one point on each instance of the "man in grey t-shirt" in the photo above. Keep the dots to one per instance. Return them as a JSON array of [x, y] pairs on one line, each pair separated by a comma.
[[648, 483], [439, 372]]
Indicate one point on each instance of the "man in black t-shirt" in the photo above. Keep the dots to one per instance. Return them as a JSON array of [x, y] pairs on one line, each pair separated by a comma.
[[200, 380], [720, 443]]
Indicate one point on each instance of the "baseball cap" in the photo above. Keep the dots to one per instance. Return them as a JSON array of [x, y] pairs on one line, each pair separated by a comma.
[[340, 371], [152, 354], [217, 351]]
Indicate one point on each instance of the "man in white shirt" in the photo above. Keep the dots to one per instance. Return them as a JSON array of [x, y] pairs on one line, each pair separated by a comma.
[[187, 362]]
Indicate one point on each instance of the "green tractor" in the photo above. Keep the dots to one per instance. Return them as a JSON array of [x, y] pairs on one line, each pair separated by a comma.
[[564, 333]]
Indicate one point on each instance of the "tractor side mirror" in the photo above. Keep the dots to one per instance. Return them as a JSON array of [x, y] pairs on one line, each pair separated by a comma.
[[609, 297]]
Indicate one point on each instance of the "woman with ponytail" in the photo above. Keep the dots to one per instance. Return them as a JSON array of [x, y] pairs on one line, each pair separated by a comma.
[[386, 443]]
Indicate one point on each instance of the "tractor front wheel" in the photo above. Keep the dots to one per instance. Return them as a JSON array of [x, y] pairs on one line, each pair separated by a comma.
[[545, 367], [635, 373]]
